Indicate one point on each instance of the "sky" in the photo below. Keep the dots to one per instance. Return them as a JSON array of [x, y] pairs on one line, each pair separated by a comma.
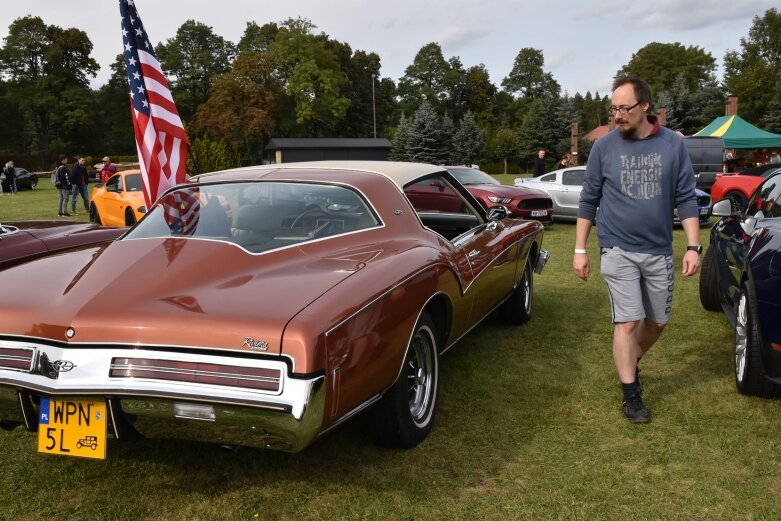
[[584, 43]]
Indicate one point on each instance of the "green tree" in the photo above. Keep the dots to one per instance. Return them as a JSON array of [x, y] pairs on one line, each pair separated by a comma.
[[753, 73], [528, 78], [192, 59], [468, 142], [428, 140], [210, 156], [504, 145], [424, 79], [311, 77], [48, 70], [661, 64], [256, 38], [400, 142], [240, 110], [479, 94], [536, 131]]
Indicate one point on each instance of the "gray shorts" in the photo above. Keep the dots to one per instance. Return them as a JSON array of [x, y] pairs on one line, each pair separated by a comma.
[[640, 285]]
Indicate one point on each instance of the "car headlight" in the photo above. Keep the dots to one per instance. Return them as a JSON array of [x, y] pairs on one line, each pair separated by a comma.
[[500, 200]]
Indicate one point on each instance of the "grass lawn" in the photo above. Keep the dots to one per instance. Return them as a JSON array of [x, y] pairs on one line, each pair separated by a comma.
[[528, 427]]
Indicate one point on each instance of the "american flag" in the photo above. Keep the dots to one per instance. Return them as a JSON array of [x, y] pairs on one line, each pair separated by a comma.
[[160, 137]]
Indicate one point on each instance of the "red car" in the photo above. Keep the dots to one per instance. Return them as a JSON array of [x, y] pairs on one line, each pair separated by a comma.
[[521, 202], [262, 306], [26, 240], [739, 187]]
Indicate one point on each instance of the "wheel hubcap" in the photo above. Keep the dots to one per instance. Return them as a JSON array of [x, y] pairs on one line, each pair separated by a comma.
[[420, 367], [741, 338]]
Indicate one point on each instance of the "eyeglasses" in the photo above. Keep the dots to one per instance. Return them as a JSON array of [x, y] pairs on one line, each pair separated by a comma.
[[621, 110]]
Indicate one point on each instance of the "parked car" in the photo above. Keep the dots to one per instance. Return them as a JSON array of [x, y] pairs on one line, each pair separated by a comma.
[[24, 180], [707, 155], [523, 202], [564, 187], [741, 275], [739, 187], [263, 306], [118, 202], [23, 241]]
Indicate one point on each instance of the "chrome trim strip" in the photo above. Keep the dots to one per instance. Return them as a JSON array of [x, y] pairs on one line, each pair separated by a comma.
[[365, 405]]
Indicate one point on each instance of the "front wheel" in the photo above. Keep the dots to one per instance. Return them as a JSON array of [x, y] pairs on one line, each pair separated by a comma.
[[517, 309], [738, 200], [709, 281], [749, 369], [94, 215], [130, 217], [33, 183], [404, 416]]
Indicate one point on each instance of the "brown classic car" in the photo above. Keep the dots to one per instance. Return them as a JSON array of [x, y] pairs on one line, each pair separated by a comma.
[[261, 306], [23, 241]]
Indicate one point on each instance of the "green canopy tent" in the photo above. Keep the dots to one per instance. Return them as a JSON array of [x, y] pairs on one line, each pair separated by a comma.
[[738, 133]]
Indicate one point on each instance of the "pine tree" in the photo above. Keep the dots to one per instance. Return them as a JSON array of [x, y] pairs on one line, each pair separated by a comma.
[[427, 141], [399, 147], [468, 142]]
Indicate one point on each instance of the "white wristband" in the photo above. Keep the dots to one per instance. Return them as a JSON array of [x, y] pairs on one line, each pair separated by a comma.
[[580, 250]]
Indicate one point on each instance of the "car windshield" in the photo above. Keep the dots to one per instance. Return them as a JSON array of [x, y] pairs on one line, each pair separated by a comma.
[[470, 176], [257, 216]]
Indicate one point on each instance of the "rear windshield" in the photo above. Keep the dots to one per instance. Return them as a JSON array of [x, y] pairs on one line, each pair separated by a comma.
[[257, 216]]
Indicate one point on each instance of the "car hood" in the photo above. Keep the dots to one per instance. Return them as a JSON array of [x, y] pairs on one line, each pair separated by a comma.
[[508, 191], [174, 292]]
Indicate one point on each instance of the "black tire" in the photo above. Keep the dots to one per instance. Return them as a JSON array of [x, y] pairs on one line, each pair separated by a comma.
[[33, 183], [130, 217], [94, 215], [749, 369], [710, 298], [404, 416], [517, 309], [738, 200]]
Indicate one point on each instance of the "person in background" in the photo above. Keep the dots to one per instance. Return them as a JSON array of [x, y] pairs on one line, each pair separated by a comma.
[[10, 177], [63, 184], [79, 181], [539, 164], [565, 162], [108, 169], [636, 175]]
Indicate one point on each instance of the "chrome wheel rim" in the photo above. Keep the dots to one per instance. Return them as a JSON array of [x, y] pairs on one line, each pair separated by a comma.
[[741, 338], [527, 289], [420, 375]]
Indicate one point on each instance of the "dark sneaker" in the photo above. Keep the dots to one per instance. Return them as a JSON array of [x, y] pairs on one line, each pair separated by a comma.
[[635, 411], [66, 214]]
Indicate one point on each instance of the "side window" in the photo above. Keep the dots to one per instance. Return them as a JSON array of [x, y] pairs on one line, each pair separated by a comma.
[[434, 194], [548, 178], [115, 183], [573, 177], [766, 199]]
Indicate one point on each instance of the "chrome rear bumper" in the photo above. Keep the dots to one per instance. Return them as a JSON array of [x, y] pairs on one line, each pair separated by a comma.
[[250, 401]]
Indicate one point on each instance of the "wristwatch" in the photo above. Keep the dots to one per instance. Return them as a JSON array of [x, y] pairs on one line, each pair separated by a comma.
[[697, 248]]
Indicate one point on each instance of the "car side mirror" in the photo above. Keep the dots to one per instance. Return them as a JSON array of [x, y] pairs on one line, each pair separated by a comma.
[[496, 213], [722, 208]]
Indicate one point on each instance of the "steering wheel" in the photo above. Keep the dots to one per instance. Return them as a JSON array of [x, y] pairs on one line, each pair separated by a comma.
[[314, 211]]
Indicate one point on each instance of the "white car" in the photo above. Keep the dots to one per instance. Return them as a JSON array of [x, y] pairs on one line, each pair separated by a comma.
[[563, 186]]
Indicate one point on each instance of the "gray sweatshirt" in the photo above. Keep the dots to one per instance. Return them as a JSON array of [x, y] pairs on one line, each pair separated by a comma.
[[636, 184]]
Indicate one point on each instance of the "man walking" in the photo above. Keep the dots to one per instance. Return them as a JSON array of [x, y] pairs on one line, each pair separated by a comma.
[[63, 185], [79, 181], [636, 176], [539, 164]]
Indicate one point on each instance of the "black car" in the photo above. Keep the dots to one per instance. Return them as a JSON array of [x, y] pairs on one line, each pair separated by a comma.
[[741, 275], [24, 179]]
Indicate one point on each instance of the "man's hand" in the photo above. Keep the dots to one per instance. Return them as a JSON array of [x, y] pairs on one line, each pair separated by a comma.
[[581, 265], [691, 263]]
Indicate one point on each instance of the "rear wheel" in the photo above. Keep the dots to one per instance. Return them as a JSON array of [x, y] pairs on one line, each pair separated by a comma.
[[94, 215], [749, 369], [33, 183], [517, 309], [130, 217], [405, 414], [738, 199], [709, 281]]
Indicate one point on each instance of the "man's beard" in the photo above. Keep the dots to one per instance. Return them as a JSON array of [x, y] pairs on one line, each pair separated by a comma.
[[628, 133]]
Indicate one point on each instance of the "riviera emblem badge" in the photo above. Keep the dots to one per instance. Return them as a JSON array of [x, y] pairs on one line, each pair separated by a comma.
[[52, 369], [255, 345]]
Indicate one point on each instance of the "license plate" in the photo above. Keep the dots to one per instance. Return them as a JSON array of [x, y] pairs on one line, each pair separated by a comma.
[[72, 427], [539, 213]]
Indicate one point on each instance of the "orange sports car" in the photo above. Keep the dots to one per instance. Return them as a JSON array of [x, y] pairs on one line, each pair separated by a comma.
[[119, 201]]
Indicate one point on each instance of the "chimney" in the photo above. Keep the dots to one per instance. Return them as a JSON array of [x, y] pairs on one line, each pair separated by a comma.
[[732, 106]]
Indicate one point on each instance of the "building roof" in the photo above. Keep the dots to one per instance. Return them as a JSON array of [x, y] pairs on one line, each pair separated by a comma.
[[287, 143]]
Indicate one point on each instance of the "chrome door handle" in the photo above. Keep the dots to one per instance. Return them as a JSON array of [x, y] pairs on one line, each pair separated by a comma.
[[472, 254]]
